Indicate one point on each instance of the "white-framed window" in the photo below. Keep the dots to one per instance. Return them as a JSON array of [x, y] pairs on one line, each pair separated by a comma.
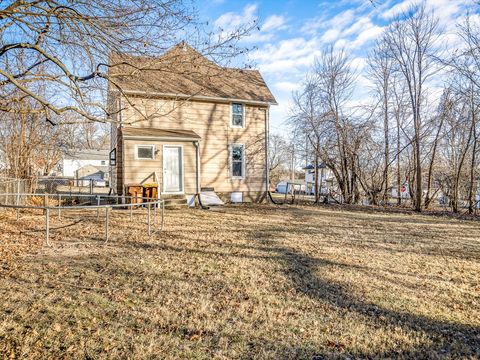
[[144, 152], [238, 115], [237, 161], [103, 162]]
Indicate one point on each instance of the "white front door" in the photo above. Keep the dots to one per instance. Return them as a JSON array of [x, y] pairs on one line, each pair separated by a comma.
[[172, 169]]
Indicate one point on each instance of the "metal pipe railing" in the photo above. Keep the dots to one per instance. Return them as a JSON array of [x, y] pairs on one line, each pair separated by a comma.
[[148, 202]]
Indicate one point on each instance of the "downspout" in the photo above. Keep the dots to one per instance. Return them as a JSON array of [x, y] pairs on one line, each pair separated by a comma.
[[123, 146], [267, 169], [197, 168]]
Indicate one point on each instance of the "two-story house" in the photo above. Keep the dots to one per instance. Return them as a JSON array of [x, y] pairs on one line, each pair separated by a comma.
[[186, 123]]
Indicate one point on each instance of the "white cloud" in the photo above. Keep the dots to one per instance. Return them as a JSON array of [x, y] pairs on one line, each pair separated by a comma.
[[287, 86], [398, 9], [359, 63], [231, 20], [273, 22], [368, 34], [330, 36], [228, 23], [287, 55]]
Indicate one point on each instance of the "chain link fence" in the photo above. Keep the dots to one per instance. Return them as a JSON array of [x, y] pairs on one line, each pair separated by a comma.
[[11, 185]]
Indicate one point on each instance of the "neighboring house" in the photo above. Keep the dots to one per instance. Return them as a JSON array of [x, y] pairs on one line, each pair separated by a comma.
[[285, 186], [76, 159], [325, 181], [88, 173], [206, 126]]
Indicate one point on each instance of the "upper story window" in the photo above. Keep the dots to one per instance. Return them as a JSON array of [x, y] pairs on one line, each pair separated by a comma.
[[238, 115], [237, 160], [145, 152]]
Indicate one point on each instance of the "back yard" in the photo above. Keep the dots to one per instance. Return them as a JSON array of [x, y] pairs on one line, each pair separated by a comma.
[[244, 282]]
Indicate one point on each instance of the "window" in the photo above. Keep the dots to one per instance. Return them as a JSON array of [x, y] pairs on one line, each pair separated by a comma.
[[143, 152], [102, 162], [237, 115], [237, 158], [113, 157]]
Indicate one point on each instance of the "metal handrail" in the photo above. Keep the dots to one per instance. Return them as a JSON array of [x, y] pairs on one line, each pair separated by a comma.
[[155, 203]]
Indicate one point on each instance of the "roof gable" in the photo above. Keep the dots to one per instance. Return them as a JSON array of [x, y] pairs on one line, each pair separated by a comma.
[[182, 71]]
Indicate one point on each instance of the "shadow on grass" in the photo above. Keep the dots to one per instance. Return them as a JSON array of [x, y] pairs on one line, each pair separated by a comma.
[[304, 273], [447, 339]]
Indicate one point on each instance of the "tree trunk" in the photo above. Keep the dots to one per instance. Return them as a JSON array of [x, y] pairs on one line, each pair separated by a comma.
[[471, 195], [387, 144], [317, 193], [430, 167], [418, 168]]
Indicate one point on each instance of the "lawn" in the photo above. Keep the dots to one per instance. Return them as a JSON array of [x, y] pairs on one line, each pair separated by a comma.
[[243, 282]]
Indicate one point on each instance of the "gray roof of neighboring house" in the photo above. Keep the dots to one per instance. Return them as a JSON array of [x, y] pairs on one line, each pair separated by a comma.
[[87, 155]]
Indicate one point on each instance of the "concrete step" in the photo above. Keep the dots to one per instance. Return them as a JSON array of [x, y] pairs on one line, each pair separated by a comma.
[[172, 196], [175, 201]]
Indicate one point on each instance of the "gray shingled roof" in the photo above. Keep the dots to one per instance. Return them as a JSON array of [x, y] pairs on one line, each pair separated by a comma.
[[184, 71], [87, 154]]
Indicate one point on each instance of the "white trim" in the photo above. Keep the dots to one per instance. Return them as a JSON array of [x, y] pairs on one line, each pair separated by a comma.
[[230, 155], [244, 120], [182, 191], [144, 145], [195, 97]]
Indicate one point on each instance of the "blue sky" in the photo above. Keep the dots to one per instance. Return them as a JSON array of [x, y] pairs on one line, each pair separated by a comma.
[[292, 33]]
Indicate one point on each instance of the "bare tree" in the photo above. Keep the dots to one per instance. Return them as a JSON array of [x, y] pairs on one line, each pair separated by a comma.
[[334, 80], [381, 72], [279, 155], [65, 47], [30, 147], [411, 40], [308, 122]]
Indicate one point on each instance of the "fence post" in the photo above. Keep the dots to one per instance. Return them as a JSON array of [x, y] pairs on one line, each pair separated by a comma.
[[106, 224], [47, 226], [98, 208], [155, 213], [18, 199], [149, 228], [59, 205]]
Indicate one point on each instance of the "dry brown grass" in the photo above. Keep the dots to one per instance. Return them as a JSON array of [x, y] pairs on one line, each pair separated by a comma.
[[244, 282]]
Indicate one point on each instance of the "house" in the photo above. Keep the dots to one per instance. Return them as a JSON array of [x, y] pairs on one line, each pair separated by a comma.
[[285, 186], [188, 124], [98, 175], [76, 159], [325, 181]]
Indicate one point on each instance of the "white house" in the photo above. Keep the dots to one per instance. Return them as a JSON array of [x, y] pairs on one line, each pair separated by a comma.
[[325, 180], [77, 159], [281, 187]]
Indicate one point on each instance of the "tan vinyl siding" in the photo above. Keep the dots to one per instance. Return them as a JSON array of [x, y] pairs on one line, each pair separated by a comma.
[[143, 170], [211, 121]]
